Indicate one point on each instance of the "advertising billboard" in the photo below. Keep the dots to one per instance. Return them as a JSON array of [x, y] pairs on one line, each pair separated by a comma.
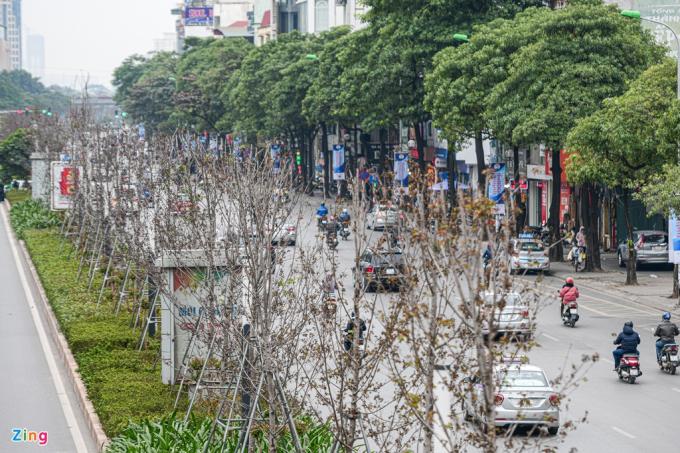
[[64, 181], [338, 162], [196, 16]]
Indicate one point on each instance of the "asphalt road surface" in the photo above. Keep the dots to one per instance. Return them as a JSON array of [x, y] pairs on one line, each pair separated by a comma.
[[34, 393], [618, 416]]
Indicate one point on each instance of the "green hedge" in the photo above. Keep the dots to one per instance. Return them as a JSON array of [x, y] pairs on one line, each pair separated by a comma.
[[124, 385], [32, 214]]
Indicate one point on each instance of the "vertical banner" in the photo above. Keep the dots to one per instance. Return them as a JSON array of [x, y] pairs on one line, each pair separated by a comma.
[[673, 239], [64, 183], [276, 157], [338, 162], [401, 169], [496, 187]]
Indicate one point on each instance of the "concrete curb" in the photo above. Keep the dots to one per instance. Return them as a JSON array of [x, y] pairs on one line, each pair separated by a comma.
[[52, 326]]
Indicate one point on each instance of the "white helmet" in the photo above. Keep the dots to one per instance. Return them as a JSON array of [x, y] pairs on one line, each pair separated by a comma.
[[344, 211]]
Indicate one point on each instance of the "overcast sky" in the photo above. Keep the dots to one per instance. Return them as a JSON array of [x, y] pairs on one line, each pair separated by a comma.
[[93, 36]]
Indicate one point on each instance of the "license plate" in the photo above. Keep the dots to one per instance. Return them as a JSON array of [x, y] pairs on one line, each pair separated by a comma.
[[633, 372], [390, 272], [573, 311], [674, 358]]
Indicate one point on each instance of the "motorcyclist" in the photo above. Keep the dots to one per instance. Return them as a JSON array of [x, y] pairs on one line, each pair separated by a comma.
[[322, 211], [349, 330], [627, 341], [568, 293], [666, 331], [344, 216]]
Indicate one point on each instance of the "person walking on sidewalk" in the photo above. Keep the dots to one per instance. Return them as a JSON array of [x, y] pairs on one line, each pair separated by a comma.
[[568, 293]]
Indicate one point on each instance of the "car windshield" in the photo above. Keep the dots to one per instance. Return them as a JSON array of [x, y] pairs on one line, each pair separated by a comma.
[[654, 238], [387, 258], [523, 378], [530, 247]]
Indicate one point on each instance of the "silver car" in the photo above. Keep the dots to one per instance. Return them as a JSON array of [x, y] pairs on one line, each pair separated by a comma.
[[381, 217], [511, 315], [529, 255], [524, 396], [285, 235], [651, 246]]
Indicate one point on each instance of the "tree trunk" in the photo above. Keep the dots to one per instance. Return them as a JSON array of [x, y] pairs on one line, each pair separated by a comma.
[[520, 206], [590, 215], [481, 165], [676, 287], [383, 149], [631, 274], [451, 167], [326, 160], [420, 144], [556, 253]]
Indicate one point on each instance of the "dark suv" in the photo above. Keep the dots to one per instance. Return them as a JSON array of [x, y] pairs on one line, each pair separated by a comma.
[[381, 269]]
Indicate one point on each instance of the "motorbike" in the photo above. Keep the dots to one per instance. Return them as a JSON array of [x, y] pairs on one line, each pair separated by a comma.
[[349, 342], [344, 231], [570, 315], [669, 358], [321, 222], [629, 368], [331, 241], [578, 258]]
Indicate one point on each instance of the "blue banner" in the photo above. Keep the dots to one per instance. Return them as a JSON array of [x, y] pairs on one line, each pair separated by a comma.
[[276, 156], [497, 183], [338, 162], [401, 168]]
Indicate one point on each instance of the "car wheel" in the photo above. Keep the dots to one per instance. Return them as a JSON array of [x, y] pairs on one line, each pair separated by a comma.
[[552, 430], [291, 243], [621, 262]]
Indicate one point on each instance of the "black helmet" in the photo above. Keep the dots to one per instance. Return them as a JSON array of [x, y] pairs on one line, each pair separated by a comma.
[[629, 323]]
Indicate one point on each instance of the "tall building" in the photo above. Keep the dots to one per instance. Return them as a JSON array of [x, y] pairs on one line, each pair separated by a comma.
[[35, 55], [10, 10]]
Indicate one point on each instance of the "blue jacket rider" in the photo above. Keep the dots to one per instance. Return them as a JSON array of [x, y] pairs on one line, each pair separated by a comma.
[[628, 341], [322, 210]]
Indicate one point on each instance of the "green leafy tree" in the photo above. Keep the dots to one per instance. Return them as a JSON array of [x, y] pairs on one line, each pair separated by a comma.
[[579, 56], [15, 151], [202, 73], [146, 88], [627, 142]]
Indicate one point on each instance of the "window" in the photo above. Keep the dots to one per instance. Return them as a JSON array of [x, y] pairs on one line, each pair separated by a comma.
[[530, 247], [523, 378], [321, 15]]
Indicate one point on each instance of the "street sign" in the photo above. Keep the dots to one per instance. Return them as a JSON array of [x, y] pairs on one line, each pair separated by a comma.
[[673, 239]]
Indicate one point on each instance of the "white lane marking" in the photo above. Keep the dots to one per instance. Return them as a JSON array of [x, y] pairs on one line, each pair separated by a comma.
[[675, 389], [607, 360], [549, 336], [46, 347], [622, 432], [601, 313]]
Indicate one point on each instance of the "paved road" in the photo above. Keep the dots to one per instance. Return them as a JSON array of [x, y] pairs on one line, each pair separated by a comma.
[[621, 417], [31, 396]]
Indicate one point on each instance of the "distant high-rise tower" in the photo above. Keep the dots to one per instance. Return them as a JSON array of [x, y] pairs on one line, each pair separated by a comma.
[[11, 29], [35, 55]]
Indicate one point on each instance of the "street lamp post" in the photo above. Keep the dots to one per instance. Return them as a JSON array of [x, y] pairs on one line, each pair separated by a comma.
[[636, 15]]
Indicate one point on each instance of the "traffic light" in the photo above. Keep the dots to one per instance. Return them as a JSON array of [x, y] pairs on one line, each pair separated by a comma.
[[298, 162], [124, 114], [115, 114], [49, 111]]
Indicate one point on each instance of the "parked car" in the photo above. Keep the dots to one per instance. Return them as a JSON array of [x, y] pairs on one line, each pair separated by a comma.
[[381, 269], [530, 255], [651, 246], [524, 396], [511, 315], [285, 235], [381, 217]]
